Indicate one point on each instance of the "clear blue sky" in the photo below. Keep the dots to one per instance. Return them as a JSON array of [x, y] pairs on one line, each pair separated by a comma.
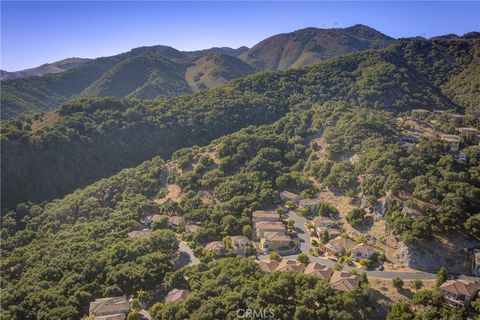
[[33, 33]]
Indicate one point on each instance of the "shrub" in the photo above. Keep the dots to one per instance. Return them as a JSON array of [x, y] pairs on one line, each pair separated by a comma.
[[304, 211], [303, 258], [274, 256], [356, 216], [397, 283], [417, 284], [442, 276], [365, 262], [325, 209]]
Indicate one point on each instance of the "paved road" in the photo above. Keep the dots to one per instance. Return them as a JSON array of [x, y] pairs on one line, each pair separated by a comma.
[[305, 247], [186, 256]]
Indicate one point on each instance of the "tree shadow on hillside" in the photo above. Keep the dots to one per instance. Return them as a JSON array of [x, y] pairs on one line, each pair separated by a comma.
[[365, 226]]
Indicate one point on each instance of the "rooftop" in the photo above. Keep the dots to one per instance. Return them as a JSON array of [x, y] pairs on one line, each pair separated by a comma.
[[460, 286], [175, 220], [290, 265], [341, 243], [215, 245], [240, 240], [260, 215], [110, 305], [177, 295], [138, 234], [364, 248], [267, 266], [344, 281], [276, 236], [318, 270], [269, 225]]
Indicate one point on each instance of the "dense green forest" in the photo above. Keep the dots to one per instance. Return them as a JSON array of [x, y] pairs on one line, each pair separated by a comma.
[[58, 256], [258, 162], [48, 156], [62, 255], [222, 287]]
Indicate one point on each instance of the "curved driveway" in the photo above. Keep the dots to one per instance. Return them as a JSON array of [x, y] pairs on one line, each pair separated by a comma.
[[186, 256]]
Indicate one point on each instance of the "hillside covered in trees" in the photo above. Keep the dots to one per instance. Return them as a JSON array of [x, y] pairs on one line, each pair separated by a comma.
[[58, 256], [145, 72], [312, 45], [160, 71], [46, 156]]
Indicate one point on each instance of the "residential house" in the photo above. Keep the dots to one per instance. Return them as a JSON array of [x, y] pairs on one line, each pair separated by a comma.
[[274, 241], [289, 196], [265, 215], [267, 266], [239, 244], [459, 292], [268, 226], [320, 222], [453, 141], [290, 265], [176, 295], [362, 251], [339, 245], [318, 270], [112, 308], [217, 246], [344, 281], [138, 234], [191, 227], [175, 222]]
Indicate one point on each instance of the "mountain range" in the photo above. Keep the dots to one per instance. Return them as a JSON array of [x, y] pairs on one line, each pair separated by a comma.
[[45, 156], [47, 68], [160, 71]]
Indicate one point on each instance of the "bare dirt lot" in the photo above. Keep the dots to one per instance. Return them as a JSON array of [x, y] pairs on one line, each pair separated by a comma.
[[173, 193]]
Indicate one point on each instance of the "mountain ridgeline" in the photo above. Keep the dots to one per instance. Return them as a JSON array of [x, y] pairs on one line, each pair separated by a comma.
[[160, 71], [47, 156], [144, 73], [312, 45], [47, 68]]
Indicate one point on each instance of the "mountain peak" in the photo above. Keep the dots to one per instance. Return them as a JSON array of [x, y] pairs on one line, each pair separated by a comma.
[[311, 45]]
